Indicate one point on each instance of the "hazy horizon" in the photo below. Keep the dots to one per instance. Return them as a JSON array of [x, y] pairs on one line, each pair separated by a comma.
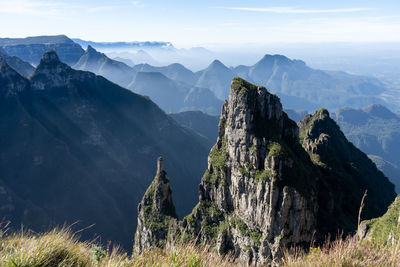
[[205, 23]]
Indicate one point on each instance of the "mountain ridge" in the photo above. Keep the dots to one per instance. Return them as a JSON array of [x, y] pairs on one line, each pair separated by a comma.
[[76, 147], [264, 192]]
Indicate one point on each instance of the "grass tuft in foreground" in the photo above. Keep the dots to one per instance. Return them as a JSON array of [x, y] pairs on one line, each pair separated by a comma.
[[347, 252], [62, 248]]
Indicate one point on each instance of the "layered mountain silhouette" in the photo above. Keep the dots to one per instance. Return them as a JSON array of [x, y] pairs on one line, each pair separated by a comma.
[[31, 49], [299, 86], [376, 131], [176, 72], [22, 67], [217, 77], [173, 96], [96, 62], [169, 87], [75, 147]]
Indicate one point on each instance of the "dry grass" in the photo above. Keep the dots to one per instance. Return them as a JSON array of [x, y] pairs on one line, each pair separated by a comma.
[[347, 252], [62, 248]]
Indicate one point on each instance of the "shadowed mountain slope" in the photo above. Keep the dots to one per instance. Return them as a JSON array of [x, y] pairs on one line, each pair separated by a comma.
[[76, 147]]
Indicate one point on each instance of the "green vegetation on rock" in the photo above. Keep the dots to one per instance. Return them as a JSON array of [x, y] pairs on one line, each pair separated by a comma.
[[386, 228], [218, 162]]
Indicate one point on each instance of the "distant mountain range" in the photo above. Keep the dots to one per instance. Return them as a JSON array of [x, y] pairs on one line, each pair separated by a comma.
[[96, 62], [376, 131], [299, 86], [173, 96], [169, 87], [75, 147], [31, 49], [217, 77], [123, 45]]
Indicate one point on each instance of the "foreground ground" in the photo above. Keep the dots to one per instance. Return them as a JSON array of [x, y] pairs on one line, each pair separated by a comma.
[[61, 248]]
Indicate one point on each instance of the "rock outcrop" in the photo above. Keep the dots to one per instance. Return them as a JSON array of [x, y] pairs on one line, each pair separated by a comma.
[[262, 192], [346, 174], [156, 213]]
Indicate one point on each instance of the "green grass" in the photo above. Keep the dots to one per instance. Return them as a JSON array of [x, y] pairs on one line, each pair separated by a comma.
[[387, 225], [218, 163], [62, 248], [263, 175], [218, 156], [244, 230]]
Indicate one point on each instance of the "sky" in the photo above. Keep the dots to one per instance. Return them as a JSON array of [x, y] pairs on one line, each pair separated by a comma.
[[205, 23]]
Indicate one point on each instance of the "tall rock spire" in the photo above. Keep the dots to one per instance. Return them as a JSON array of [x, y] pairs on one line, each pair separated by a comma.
[[156, 213]]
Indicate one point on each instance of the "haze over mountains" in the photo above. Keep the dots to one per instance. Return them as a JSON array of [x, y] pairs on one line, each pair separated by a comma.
[[172, 95], [299, 86], [175, 88], [76, 147], [31, 49], [88, 145], [376, 131], [99, 63]]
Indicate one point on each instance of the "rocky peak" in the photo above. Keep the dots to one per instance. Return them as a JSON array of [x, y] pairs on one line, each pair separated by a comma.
[[49, 59], [50, 65], [250, 203], [217, 65], [52, 73], [346, 174], [156, 212], [262, 193], [380, 111], [93, 53], [269, 61], [90, 49]]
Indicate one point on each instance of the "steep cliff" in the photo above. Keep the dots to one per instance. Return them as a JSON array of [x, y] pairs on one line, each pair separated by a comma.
[[346, 174], [257, 195], [262, 192], [156, 212]]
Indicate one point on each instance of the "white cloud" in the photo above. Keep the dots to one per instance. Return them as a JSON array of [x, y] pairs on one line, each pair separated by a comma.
[[293, 10]]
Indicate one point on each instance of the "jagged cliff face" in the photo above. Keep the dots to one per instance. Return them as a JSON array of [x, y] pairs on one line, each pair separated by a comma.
[[252, 177], [263, 192], [253, 200], [346, 174], [156, 213]]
